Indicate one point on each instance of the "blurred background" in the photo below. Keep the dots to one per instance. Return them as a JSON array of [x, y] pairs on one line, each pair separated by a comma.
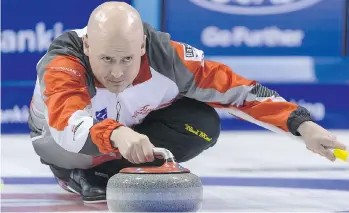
[[297, 47]]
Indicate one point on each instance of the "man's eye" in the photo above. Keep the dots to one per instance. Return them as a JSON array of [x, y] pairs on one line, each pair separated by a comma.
[[127, 59], [107, 59]]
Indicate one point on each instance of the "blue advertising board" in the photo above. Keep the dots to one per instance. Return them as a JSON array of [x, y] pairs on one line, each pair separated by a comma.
[[258, 27], [327, 103], [346, 36], [15, 109]]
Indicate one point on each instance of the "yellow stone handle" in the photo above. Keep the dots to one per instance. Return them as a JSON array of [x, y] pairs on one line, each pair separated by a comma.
[[341, 154]]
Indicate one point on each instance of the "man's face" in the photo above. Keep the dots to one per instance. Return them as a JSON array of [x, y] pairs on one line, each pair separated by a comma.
[[115, 63]]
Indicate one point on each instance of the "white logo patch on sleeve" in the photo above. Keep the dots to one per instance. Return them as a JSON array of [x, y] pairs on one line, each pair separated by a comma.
[[192, 54]]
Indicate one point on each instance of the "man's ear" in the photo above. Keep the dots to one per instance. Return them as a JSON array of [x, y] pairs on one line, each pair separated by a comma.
[[86, 45], [143, 45]]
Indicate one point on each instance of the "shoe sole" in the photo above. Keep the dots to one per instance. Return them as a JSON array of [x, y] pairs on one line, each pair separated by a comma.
[[75, 188], [94, 201]]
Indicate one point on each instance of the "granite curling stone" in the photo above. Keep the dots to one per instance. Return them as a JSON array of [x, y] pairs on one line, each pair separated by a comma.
[[169, 188]]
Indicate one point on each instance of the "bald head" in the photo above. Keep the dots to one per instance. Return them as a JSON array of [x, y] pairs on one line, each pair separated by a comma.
[[115, 44], [115, 19]]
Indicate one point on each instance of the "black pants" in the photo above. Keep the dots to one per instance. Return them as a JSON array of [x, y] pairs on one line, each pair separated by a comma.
[[186, 128]]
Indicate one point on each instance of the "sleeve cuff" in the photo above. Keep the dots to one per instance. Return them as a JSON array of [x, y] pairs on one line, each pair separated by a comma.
[[100, 134], [296, 118]]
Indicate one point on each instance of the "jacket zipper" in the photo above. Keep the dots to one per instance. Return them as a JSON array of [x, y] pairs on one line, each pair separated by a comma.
[[118, 109]]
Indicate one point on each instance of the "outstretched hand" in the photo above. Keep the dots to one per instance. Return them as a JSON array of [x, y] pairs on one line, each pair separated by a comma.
[[319, 140]]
